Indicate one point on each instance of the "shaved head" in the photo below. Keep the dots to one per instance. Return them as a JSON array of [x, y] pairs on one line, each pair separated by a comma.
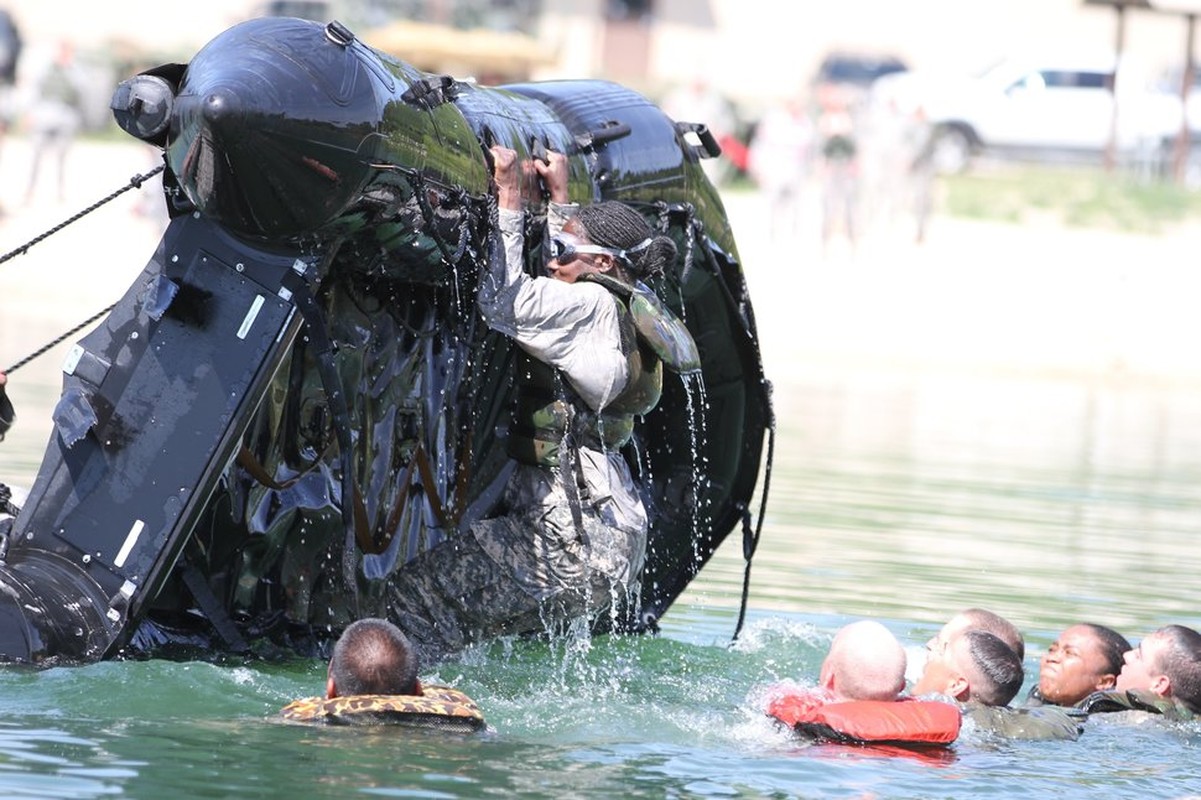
[[865, 662], [980, 619]]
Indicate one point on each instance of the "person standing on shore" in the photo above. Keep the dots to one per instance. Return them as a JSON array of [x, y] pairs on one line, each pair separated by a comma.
[[781, 152], [10, 56], [55, 118]]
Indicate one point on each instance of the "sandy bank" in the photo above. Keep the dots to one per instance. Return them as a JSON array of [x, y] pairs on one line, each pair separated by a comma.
[[1037, 298]]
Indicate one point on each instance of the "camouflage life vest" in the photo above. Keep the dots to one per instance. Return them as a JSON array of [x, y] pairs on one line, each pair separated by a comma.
[[652, 337], [435, 707]]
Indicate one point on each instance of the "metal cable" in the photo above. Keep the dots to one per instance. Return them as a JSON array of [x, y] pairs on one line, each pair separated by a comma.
[[134, 183], [59, 339]]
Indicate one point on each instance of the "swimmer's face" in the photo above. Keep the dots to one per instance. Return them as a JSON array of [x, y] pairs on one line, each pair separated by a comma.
[[1074, 667], [572, 259], [947, 633], [941, 670], [1142, 668]]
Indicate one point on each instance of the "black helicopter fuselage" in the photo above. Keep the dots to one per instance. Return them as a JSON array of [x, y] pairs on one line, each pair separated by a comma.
[[301, 357]]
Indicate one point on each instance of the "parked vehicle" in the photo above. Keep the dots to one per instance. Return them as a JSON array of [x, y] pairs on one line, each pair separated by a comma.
[[847, 75], [858, 69], [1059, 107]]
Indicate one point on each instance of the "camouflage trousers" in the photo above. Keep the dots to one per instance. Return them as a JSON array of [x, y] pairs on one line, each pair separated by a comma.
[[461, 593]]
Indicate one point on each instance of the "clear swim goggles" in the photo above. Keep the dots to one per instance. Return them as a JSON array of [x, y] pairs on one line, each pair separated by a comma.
[[565, 251]]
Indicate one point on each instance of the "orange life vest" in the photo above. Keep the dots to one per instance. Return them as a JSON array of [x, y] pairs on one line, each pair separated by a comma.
[[901, 722]]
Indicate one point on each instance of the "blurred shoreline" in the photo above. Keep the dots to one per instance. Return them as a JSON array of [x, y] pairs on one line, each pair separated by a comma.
[[977, 300], [1037, 300], [67, 277]]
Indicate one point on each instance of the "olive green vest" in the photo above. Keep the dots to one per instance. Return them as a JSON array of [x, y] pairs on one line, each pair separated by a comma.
[[1038, 723], [651, 337], [1137, 700]]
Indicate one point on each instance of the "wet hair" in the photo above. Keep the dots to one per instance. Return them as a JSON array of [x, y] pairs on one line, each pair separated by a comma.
[[996, 665], [610, 223], [373, 656], [985, 620], [1111, 644], [1180, 660]]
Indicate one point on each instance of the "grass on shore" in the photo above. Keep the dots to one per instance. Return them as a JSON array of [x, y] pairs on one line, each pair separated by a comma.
[[1087, 197]]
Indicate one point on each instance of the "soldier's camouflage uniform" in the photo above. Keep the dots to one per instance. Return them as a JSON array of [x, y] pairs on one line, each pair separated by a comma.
[[535, 568]]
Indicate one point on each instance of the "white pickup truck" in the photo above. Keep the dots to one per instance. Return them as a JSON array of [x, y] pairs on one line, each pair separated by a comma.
[[1056, 106]]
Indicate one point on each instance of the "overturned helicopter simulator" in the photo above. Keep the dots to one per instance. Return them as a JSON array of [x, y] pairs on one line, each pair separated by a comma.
[[297, 395]]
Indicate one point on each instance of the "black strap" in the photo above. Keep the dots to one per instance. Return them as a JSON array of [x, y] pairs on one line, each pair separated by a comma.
[[571, 473], [323, 353], [212, 609], [750, 536], [750, 539]]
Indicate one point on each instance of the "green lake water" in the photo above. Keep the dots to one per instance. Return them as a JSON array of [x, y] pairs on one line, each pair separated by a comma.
[[902, 495], [869, 522]]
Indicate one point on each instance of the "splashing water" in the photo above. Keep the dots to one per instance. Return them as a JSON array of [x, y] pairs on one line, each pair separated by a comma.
[[697, 407]]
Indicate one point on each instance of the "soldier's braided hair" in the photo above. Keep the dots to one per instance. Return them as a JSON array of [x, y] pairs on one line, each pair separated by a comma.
[[1113, 645], [610, 223]]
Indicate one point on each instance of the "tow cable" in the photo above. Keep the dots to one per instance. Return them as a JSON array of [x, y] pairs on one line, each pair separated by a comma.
[[134, 183]]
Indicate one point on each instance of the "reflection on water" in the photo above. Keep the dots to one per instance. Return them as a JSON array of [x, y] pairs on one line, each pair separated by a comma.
[[912, 495], [633, 717]]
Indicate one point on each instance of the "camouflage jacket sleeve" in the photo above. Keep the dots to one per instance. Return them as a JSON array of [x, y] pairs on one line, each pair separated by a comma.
[[573, 327], [1039, 723], [1135, 700]]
